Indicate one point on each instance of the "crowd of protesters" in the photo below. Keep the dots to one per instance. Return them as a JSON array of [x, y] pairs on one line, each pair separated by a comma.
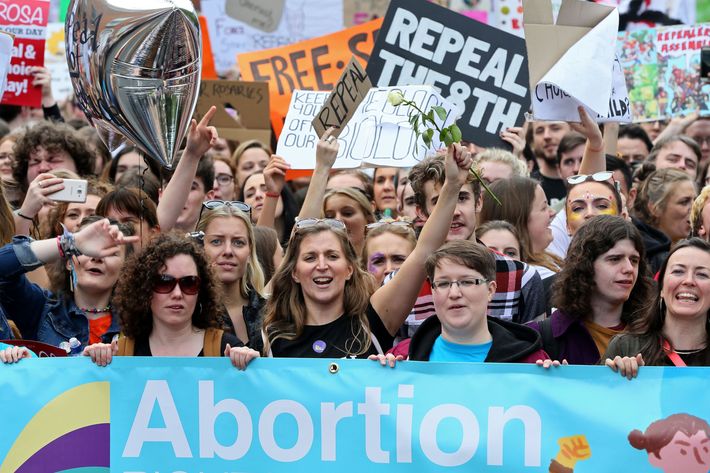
[[597, 252]]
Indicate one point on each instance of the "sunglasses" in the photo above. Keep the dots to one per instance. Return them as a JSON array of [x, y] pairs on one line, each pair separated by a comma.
[[215, 204], [312, 222], [597, 177], [165, 284], [396, 223]]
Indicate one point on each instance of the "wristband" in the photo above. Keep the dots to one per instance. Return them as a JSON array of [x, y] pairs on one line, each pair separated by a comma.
[[67, 244], [595, 150], [21, 215], [275, 195], [59, 247]]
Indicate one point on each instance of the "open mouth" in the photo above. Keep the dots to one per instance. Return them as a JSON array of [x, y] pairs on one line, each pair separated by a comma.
[[95, 271], [686, 297], [322, 281]]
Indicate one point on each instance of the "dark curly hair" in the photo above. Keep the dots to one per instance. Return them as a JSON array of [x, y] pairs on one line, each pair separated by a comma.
[[134, 290], [574, 285], [51, 136]]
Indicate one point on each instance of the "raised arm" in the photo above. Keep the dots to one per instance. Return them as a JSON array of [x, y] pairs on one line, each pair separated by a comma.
[[326, 152], [394, 300], [274, 179], [593, 159], [200, 139]]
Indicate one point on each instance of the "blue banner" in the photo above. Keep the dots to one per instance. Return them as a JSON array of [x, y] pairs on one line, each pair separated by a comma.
[[283, 415]]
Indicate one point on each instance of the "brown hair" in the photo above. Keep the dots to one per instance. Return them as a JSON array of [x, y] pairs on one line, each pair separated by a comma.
[[655, 192], [405, 232], [132, 201], [134, 291], [368, 187], [574, 285], [7, 221], [267, 240], [285, 313], [433, 169], [500, 225], [467, 253], [661, 432]]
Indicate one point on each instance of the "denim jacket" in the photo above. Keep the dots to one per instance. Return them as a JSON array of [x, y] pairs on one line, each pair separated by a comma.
[[40, 314]]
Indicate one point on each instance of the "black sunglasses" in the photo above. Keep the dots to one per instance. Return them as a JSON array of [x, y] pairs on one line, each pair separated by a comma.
[[165, 284], [215, 204]]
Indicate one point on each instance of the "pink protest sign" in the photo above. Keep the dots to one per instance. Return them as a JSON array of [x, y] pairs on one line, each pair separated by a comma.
[[27, 21]]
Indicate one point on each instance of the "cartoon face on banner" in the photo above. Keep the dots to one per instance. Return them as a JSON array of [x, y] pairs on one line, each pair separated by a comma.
[[136, 69]]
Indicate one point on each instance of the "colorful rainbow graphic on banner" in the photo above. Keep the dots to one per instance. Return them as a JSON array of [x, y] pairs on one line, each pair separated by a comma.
[[69, 434]]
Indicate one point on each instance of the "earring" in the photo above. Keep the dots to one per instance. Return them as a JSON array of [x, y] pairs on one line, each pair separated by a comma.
[[661, 306]]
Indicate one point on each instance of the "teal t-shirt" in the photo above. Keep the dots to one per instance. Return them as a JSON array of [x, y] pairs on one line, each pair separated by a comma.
[[447, 351]]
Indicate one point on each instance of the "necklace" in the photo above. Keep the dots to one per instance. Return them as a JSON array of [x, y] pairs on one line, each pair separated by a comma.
[[689, 352], [97, 310]]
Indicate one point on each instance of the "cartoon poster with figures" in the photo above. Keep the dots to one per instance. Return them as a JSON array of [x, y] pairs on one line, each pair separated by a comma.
[[662, 70]]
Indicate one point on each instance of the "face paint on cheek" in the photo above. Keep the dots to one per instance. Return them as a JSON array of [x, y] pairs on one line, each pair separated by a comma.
[[370, 265], [612, 210]]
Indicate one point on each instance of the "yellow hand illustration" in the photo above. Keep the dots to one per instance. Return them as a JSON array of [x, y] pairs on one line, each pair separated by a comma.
[[572, 450]]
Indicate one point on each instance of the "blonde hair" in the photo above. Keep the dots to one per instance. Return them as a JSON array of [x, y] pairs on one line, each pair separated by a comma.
[[355, 194], [497, 155], [695, 213], [403, 231], [655, 191], [253, 275]]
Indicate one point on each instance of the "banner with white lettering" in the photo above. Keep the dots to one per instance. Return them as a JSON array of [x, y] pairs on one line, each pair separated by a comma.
[[378, 134], [283, 415], [481, 69], [27, 21]]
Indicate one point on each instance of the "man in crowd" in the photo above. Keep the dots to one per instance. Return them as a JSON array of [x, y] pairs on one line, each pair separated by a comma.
[[546, 138]]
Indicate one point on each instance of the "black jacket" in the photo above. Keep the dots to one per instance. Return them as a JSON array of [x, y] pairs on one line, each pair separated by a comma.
[[656, 243], [512, 343]]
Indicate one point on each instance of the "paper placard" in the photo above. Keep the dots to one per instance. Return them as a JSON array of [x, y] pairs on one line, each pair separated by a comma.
[[479, 68], [378, 134], [264, 15], [356, 12], [242, 109], [342, 102]]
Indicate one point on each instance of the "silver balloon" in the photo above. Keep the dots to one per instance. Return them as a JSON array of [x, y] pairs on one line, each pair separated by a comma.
[[135, 67]]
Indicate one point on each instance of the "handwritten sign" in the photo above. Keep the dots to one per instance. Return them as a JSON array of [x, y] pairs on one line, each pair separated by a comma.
[[264, 15], [27, 21], [479, 68], [378, 134], [315, 64], [342, 102], [357, 12], [242, 108]]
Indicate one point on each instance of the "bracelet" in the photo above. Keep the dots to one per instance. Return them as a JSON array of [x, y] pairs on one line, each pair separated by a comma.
[[20, 214], [275, 195], [595, 150], [59, 247], [68, 245]]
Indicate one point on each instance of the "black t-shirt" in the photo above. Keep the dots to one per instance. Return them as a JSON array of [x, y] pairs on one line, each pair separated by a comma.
[[336, 339], [555, 189], [142, 347]]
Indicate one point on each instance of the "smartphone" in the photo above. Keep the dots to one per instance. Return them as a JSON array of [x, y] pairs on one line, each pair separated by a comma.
[[74, 191], [705, 64]]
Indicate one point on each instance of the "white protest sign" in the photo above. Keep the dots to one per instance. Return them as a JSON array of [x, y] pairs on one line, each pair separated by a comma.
[[6, 41], [301, 20], [553, 103], [572, 61], [378, 134], [55, 59]]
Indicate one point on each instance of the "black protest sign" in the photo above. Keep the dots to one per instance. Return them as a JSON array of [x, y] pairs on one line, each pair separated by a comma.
[[339, 108], [483, 70]]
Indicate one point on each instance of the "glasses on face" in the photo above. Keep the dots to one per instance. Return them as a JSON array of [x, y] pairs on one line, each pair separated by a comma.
[[462, 284], [224, 179], [165, 284], [312, 222], [388, 221], [597, 177]]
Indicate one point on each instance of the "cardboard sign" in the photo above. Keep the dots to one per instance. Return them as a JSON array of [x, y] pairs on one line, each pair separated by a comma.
[[378, 134], [572, 62], [27, 21], [357, 12], [342, 102], [479, 68], [662, 71], [264, 15], [315, 64], [301, 20], [242, 109]]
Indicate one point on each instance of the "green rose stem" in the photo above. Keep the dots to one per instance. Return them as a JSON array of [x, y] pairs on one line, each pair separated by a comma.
[[448, 135]]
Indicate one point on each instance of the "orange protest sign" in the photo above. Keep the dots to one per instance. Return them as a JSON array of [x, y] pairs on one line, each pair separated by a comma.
[[314, 64], [208, 70]]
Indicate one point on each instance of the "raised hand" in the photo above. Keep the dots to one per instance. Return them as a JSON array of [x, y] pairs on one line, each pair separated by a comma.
[[327, 149], [572, 450], [589, 128], [43, 185], [43, 79], [201, 136], [457, 164], [515, 136], [101, 239], [275, 174]]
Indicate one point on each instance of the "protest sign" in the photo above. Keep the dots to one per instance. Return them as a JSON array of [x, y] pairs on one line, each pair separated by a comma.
[[342, 102], [242, 109], [572, 63], [283, 415], [6, 41], [300, 21], [55, 60], [264, 15], [479, 68], [378, 134], [662, 69], [26, 20], [315, 64], [208, 70], [357, 12]]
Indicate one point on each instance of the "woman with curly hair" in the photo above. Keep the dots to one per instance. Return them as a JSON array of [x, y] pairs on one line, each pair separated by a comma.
[[676, 329], [169, 301], [230, 248], [602, 287]]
